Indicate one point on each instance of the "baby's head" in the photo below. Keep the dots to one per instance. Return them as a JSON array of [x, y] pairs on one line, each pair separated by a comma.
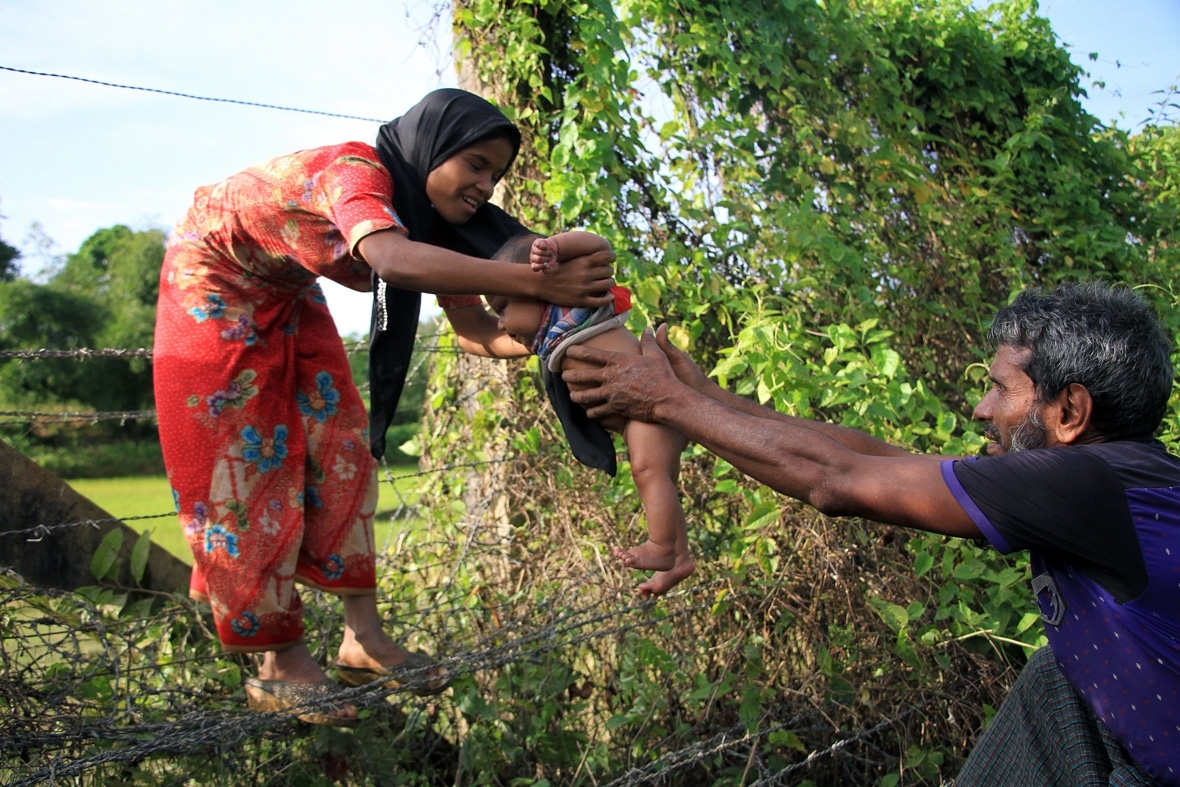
[[520, 317]]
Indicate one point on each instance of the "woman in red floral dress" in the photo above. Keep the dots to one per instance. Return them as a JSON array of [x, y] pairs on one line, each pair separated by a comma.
[[264, 433]]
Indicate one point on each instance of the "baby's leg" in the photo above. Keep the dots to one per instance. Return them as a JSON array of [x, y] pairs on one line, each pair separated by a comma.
[[663, 581], [655, 466]]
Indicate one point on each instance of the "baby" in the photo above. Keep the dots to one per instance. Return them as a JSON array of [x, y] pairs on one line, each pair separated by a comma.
[[654, 450]]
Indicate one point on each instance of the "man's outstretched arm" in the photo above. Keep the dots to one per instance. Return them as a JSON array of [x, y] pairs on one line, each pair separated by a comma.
[[691, 375], [820, 464]]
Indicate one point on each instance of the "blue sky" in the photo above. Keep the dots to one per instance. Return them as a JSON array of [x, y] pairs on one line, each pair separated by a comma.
[[76, 157]]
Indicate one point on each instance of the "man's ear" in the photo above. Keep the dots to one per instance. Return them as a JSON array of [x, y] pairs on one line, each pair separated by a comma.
[[1073, 408]]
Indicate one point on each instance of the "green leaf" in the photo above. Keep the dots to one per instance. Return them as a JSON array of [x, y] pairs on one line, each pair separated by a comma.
[[618, 720], [971, 568], [1026, 621], [139, 556], [529, 442], [786, 739], [765, 513], [751, 707], [894, 615], [107, 553], [411, 447], [648, 292]]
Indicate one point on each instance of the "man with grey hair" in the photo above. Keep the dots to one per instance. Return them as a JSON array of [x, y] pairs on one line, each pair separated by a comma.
[[1082, 371]]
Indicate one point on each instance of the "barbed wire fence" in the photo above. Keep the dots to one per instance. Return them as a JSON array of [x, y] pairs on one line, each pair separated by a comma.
[[85, 690]]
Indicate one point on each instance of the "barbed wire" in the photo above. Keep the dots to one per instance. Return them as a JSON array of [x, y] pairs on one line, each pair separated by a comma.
[[53, 733], [38, 532], [484, 654], [836, 747], [190, 95], [738, 737], [557, 625], [83, 353], [731, 738], [39, 416], [122, 416], [57, 746]]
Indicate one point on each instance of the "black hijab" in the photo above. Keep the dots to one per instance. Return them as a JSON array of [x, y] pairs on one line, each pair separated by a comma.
[[433, 130]]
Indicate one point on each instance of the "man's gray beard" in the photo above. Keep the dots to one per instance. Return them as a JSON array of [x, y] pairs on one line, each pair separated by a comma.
[[1030, 433]]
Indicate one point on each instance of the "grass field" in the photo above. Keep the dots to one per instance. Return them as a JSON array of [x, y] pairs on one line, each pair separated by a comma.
[[151, 496]]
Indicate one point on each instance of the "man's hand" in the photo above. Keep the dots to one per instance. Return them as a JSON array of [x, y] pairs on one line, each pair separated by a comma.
[[685, 368], [627, 385]]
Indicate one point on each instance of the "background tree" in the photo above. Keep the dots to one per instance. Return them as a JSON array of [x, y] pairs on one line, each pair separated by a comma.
[[103, 296], [34, 316], [9, 265], [120, 270], [827, 201]]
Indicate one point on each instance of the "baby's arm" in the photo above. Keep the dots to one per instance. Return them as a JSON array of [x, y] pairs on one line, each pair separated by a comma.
[[547, 252]]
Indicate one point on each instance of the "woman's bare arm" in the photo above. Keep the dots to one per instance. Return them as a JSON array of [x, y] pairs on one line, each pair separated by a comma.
[[421, 267]]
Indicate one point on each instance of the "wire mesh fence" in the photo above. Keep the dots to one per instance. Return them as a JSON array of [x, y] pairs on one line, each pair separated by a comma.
[[559, 671]]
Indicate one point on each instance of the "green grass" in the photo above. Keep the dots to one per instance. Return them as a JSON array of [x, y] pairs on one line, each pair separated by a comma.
[[150, 496]]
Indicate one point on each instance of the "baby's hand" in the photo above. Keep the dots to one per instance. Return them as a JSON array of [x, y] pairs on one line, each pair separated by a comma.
[[543, 255]]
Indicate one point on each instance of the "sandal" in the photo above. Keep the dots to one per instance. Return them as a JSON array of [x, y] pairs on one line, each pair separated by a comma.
[[276, 696], [421, 674]]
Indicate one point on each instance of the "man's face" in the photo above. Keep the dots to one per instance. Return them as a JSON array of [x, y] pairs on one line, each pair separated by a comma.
[[1012, 416]]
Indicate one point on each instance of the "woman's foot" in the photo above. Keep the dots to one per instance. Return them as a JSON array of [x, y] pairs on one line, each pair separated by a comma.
[[314, 703], [663, 581], [368, 654], [648, 556], [359, 666], [371, 651], [294, 667]]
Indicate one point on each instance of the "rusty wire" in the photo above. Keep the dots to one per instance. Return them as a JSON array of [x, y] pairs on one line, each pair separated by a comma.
[[84, 690]]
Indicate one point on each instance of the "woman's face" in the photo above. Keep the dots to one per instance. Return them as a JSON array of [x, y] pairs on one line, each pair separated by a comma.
[[465, 181]]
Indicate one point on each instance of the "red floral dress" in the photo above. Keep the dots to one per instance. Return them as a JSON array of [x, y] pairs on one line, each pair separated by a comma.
[[264, 433]]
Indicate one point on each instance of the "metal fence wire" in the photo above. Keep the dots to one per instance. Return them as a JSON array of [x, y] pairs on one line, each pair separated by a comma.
[[110, 678]]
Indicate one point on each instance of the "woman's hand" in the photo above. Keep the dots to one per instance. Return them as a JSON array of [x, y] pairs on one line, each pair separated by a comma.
[[582, 281]]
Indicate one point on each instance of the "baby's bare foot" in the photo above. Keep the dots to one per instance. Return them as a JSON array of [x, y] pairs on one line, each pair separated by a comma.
[[649, 556], [663, 581], [543, 255]]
